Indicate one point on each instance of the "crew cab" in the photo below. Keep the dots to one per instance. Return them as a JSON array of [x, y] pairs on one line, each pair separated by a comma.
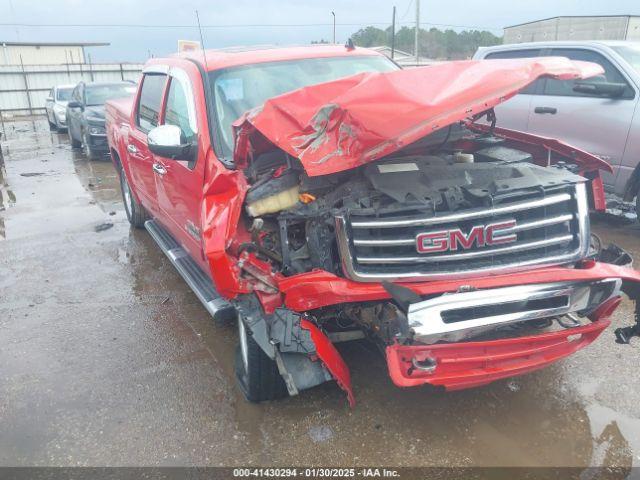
[[320, 194]]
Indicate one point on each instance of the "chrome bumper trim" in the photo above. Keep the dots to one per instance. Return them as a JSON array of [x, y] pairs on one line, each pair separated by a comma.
[[429, 323]]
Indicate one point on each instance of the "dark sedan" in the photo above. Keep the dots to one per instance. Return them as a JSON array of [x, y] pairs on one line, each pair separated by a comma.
[[85, 114]]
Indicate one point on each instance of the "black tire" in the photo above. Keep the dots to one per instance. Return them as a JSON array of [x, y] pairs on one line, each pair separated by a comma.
[[256, 373], [136, 213], [52, 126]]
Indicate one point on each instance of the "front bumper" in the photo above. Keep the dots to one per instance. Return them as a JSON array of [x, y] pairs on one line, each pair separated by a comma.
[[456, 366], [98, 143], [461, 365], [455, 316], [61, 119]]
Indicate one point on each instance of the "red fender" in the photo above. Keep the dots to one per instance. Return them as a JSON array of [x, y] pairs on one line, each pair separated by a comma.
[[328, 354]]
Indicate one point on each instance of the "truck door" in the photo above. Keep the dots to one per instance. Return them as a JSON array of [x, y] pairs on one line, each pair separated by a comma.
[[514, 113], [146, 117], [596, 124], [179, 183]]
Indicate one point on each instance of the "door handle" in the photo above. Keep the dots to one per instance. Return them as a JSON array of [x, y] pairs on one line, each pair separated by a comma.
[[159, 168], [551, 110], [132, 148]]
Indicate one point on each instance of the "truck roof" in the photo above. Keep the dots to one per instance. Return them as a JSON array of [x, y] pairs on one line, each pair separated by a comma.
[[236, 56], [558, 43]]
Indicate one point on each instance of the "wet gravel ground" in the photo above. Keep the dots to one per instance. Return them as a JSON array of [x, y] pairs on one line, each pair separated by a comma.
[[107, 358]]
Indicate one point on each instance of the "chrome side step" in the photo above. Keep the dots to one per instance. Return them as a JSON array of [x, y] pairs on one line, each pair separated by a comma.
[[200, 283]]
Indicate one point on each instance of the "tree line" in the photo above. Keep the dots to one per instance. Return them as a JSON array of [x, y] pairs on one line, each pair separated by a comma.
[[433, 43]]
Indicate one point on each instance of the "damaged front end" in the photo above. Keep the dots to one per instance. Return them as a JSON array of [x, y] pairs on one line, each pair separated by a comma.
[[461, 250]]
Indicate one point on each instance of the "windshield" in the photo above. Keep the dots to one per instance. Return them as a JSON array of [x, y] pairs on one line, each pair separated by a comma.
[[64, 94], [239, 89], [631, 53], [98, 94]]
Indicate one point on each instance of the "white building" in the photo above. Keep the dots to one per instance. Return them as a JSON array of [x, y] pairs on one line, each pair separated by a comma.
[[44, 53], [607, 27]]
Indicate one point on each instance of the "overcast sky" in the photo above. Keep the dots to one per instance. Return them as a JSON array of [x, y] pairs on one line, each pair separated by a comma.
[[236, 22]]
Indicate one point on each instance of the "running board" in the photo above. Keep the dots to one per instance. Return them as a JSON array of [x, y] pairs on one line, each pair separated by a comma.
[[200, 283]]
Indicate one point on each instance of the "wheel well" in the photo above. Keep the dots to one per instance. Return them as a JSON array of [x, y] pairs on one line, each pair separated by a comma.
[[116, 159]]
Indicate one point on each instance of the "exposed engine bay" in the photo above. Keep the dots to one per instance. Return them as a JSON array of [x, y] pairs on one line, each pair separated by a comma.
[[294, 224], [293, 215]]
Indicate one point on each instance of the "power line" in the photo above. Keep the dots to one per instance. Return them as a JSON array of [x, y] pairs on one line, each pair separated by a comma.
[[406, 11], [240, 25]]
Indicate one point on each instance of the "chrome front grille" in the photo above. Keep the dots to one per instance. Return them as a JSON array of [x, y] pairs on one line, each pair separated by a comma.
[[551, 227]]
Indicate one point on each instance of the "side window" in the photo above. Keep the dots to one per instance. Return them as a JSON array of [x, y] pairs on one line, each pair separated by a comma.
[[148, 110], [177, 109], [529, 53], [74, 94], [52, 93], [565, 87]]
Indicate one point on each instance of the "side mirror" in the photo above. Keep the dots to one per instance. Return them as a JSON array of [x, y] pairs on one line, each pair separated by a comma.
[[167, 141], [74, 104], [604, 89], [49, 99]]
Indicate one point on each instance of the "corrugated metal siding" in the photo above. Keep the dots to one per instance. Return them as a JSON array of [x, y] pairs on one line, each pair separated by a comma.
[[41, 78], [633, 32], [41, 54], [569, 28]]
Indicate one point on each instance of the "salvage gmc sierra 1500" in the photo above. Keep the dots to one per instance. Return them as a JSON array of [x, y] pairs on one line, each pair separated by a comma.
[[321, 194]]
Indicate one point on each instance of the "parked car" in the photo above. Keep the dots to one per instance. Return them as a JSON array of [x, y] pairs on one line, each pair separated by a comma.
[[600, 115], [320, 194], [85, 114], [56, 106]]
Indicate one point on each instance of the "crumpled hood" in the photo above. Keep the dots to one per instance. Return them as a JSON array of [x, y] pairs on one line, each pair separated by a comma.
[[346, 123]]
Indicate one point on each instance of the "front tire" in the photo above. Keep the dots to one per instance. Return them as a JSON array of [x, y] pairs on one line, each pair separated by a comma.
[[257, 374], [136, 213]]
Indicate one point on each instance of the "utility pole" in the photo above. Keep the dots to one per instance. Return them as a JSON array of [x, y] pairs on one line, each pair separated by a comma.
[[393, 33], [334, 26], [417, 32]]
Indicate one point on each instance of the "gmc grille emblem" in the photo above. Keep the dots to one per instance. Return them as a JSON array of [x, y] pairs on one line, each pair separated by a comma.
[[455, 239]]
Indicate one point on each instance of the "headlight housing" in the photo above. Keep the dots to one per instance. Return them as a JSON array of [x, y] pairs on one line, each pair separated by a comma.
[[60, 110], [96, 130]]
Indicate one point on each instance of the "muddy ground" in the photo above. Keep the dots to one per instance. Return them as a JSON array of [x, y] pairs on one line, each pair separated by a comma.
[[107, 358]]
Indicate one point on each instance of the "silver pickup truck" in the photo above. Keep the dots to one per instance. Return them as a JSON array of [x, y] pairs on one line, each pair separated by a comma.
[[600, 115]]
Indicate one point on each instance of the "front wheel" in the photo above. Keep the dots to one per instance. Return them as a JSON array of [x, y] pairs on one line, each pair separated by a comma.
[[135, 212], [257, 374]]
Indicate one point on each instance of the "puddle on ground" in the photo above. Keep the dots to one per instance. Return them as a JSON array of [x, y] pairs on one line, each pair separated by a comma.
[[164, 371]]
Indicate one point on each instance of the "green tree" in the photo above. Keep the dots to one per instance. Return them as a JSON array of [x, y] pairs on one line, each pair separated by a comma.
[[434, 43], [370, 37]]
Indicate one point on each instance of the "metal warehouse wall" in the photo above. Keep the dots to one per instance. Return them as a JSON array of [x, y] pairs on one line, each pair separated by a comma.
[[569, 28], [41, 54], [633, 32], [23, 90]]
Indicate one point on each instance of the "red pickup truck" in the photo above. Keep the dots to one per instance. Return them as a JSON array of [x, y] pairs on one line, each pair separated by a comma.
[[321, 194]]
